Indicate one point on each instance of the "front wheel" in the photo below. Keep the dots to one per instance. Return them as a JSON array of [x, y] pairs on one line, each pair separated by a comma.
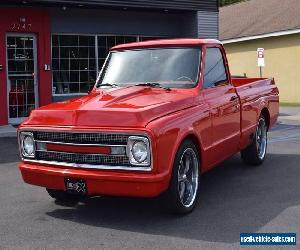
[[182, 193], [255, 153]]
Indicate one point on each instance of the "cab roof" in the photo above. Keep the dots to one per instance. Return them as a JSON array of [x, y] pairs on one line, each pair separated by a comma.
[[165, 43]]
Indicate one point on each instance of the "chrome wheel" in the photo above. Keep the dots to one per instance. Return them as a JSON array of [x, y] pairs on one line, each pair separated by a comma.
[[261, 138], [188, 174]]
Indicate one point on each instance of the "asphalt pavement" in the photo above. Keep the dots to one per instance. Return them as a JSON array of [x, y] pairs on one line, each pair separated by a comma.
[[234, 198]]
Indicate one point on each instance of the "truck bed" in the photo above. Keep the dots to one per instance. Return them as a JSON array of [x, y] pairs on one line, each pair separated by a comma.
[[238, 82], [253, 93]]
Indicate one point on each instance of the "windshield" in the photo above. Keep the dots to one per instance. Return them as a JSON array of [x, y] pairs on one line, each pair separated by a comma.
[[169, 67]]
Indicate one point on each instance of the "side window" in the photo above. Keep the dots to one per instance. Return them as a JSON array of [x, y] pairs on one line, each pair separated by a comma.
[[214, 71]]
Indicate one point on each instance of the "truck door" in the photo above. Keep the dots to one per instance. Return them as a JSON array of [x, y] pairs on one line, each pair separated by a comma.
[[224, 106]]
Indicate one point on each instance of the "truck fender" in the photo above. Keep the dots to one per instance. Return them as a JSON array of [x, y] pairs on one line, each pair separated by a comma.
[[188, 133]]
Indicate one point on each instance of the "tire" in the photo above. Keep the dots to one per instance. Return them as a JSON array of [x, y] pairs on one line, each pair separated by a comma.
[[63, 198], [182, 194], [255, 153]]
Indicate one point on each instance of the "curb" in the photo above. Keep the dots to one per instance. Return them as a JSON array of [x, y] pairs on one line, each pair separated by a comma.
[[8, 131]]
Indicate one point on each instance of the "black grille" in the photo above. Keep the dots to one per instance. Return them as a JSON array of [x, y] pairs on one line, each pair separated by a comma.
[[82, 138], [92, 159]]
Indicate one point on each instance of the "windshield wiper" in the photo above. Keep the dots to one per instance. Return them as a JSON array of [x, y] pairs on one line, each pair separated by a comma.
[[107, 84], [152, 85]]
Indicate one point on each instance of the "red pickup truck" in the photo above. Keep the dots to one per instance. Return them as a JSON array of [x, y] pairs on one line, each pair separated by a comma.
[[161, 114]]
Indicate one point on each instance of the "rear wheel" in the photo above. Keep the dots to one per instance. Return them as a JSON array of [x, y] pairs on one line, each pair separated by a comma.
[[255, 153], [63, 198], [182, 193]]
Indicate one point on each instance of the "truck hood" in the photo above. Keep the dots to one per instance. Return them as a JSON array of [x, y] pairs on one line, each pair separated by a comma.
[[134, 106]]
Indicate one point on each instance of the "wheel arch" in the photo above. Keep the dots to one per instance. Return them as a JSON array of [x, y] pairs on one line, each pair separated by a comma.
[[265, 112], [197, 142]]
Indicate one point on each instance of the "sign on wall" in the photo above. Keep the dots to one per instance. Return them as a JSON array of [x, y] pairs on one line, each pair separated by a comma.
[[261, 57]]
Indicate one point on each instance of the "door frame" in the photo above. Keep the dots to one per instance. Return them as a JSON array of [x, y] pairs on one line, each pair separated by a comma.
[[19, 120]]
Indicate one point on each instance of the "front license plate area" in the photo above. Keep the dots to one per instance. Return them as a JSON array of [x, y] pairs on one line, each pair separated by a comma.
[[76, 186]]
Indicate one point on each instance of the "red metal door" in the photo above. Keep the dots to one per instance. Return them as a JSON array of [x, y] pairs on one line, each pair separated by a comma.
[[223, 103], [225, 116]]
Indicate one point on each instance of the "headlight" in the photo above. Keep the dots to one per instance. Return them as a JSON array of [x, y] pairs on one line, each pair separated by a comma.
[[138, 151], [27, 144]]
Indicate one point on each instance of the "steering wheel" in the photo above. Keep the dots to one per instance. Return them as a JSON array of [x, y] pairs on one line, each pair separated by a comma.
[[185, 77]]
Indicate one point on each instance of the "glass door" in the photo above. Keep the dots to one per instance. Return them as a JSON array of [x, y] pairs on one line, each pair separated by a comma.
[[21, 76]]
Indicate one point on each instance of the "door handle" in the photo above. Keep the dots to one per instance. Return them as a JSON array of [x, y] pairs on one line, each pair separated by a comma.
[[233, 98]]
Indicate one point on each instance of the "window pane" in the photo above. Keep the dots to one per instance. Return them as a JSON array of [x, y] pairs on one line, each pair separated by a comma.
[[100, 63], [92, 52], [11, 53], [55, 52], [20, 42], [11, 42], [86, 87], [29, 66], [83, 64], [55, 77], [102, 52], [91, 41], [66, 88], [92, 77], [55, 40], [74, 65], [74, 88], [92, 64], [20, 54], [74, 76], [214, 71], [64, 52], [119, 40], [111, 41], [83, 52], [64, 76], [54, 88], [73, 60], [69, 52], [12, 66], [29, 53], [64, 64], [102, 41], [84, 41], [66, 40], [29, 42], [84, 76], [20, 66], [130, 39]]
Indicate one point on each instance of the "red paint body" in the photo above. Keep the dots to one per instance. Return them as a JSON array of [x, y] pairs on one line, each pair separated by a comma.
[[219, 126]]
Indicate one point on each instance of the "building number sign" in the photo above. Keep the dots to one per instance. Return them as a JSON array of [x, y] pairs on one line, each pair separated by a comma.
[[21, 25]]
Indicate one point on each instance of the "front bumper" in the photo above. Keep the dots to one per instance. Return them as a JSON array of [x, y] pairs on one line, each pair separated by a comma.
[[99, 182]]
